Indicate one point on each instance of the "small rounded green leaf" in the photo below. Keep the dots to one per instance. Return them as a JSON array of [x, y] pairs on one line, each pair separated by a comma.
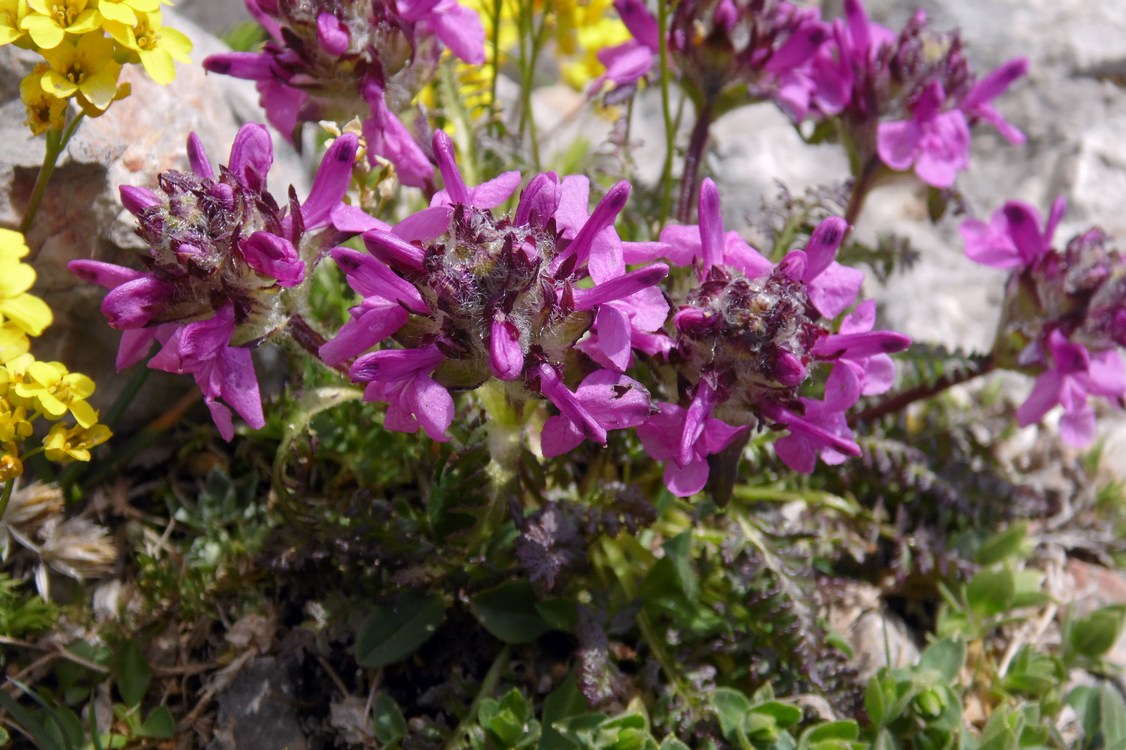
[[395, 631]]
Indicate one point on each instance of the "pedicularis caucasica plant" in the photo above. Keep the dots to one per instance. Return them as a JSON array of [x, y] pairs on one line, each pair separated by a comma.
[[557, 408]]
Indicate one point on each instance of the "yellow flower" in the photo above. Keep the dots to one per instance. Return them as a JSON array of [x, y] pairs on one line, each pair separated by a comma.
[[125, 11], [85, 67], [63, 445], [155, 44], [50, 21], [13, 342], [25, 311], [52, 390], [44, 111], [14, 424], [10, 464], [592, 28], [11, 13]]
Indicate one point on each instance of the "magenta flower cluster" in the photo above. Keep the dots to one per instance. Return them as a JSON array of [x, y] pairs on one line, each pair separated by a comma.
[[355, 58], [471, 296], [1065, 313], [222, 254], [750, 334], [908, 99]]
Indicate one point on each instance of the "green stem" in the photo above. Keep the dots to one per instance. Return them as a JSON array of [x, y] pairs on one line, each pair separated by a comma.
[[8, 487], [505, 426], [488, 685], [529, 51], [666, 111], [494, 42], [903, 399], [56, 144]]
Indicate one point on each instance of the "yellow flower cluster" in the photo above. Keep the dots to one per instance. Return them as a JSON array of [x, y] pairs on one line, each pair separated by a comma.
[[578, 28], [84, 44], [30, 389]]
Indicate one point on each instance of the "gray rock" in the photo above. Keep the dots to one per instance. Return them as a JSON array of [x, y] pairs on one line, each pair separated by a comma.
[[257, 709]]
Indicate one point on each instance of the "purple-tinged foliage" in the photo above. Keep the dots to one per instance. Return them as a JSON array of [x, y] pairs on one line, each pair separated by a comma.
[[471, 296], [221, 253], [340, 59], [1064, 316]]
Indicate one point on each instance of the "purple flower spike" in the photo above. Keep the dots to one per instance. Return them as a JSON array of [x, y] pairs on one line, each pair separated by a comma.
[[339, 61], [222, 255]]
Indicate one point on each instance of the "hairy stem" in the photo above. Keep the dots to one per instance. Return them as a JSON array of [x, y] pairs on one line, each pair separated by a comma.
[[666, 110], [900, 401], [309, 339], [861, 186], [690, 181]]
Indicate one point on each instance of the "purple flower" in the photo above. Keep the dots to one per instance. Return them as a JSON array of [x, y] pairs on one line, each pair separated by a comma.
[[473, 296], [221, 253], [1073, 376], [401, 378], [1012, 238], [221, 371], [337, 61], [934, 142], [683, 440]]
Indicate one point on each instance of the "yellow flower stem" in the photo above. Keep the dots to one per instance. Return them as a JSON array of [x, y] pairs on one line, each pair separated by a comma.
[[56, 144], [666, 110], [8, 487], [73, 472], [32, 452]]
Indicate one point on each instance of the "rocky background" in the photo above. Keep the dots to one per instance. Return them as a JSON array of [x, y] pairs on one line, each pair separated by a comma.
[[1072, 107]]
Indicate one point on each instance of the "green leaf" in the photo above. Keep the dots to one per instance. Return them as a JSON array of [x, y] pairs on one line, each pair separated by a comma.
[[159, 725], [395, 631], [679, 551], [133, 673], [875, 702], [832, 730], [946, 658], [672, 743], [731, 708], [1104, 719], [1092, 636], [1032, 673], [388, 724], [991, 592], [563, 703], [1002, 545], [1003, 730], [509, 612]]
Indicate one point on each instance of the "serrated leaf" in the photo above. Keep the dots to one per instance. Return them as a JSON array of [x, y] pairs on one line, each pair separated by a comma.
[[395, 631]]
